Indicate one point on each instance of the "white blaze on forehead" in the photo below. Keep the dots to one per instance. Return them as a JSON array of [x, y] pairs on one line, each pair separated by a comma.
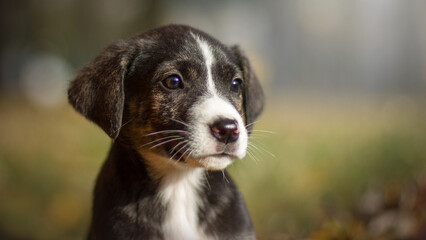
[[208, 60]]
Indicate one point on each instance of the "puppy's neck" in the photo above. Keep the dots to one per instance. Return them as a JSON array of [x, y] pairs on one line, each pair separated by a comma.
[[178, 191], [162, 168]]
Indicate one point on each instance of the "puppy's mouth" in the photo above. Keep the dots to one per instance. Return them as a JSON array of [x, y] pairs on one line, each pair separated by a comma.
[[216, 161], [219, 155], [183, 157]]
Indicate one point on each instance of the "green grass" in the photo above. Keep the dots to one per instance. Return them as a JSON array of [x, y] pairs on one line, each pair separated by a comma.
[[326, 152]]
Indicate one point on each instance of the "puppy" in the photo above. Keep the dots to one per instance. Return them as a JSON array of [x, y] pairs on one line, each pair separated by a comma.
[[179, 106]]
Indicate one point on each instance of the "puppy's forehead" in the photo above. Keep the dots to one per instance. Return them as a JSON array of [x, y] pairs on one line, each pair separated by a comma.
[[184, 43]]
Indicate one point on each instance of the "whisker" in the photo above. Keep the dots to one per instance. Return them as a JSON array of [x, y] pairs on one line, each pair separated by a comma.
[[124, 124], [176, 162], [248, 125], [206, 174], [224, 176], [261, 151], [254, 147], [184, 153], [260, 146], [178, 145], [178, 121], [180, 149], [254, 135], [189, 154], [170, 140], [166, 131], [252, 156], [160, 139], [264, 131]]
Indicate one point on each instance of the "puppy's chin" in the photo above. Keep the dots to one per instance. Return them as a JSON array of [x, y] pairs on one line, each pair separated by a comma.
[[211, 162]]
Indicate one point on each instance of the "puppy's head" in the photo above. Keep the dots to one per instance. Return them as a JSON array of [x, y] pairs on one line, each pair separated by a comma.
[[175, 92]]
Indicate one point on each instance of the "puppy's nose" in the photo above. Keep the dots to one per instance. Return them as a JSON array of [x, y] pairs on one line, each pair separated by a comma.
[[225, 130]]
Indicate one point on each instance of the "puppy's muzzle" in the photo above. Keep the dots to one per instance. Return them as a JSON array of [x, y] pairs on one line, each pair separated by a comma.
[[225, 130]]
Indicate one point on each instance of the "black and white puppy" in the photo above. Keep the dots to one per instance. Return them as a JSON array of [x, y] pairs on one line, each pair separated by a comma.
[[179, 106]]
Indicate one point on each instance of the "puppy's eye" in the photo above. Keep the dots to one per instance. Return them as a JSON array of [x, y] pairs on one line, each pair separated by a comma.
[[172, 82], [236, 85]]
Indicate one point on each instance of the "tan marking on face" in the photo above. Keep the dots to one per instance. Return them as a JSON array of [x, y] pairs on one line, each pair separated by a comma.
[[158, 98]]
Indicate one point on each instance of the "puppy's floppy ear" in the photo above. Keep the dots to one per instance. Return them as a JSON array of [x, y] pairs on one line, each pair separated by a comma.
[[253, 93], [98, 93]]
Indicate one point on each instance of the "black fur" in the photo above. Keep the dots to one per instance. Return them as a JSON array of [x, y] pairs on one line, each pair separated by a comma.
[[120, 91]]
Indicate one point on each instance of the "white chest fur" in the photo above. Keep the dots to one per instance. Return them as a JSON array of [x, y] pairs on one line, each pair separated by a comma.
[[179, 193]]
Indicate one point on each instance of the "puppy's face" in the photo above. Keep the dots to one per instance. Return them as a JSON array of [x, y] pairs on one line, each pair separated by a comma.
[[189, 102], [175, 92]]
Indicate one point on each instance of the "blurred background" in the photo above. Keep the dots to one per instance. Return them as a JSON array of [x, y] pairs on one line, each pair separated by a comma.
[[341, 147]]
